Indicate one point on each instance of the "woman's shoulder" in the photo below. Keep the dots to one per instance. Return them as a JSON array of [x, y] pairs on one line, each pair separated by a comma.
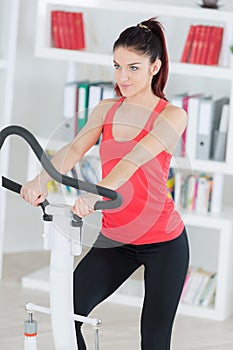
[[105, 105], [173, 116], [108, 102], [173, 112]]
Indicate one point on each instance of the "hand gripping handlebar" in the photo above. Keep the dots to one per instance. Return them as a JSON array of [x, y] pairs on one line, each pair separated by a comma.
[[114, 200]]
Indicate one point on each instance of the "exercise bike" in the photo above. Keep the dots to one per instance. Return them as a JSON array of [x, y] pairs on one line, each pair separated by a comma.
[[63, 249]]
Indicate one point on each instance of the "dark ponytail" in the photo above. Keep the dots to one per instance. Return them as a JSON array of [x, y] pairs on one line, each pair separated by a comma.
[[148, 38]]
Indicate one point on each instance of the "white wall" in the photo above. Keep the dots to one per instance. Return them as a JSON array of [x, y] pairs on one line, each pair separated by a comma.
[[37, 104]]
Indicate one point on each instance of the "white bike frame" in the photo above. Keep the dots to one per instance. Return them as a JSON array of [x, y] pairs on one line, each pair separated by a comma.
[[62, 235], [64, 245]]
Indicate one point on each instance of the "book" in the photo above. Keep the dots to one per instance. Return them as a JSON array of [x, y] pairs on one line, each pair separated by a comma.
[[61, 31], [201, 31], [204, 281], [191, 191], [195, 45], [55, 33], [215, 44], [194, 282], [196, 192], [205, 46], [68, 30], [207, 297], [199, 288], [188, 45], [204, 187], [78, 28]]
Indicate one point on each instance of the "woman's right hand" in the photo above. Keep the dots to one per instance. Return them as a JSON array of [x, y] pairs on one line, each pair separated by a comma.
[[34, 191]]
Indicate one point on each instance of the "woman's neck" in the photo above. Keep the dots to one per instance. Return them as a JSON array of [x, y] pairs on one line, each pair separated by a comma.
[[146, 100]]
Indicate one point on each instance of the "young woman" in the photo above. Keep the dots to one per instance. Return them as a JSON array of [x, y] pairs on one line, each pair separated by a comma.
[[140, 130]]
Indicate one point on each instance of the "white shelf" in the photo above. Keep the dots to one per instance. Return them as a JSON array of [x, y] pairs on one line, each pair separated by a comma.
[[209, 166], [75, 56], [210, 220], [151, 7], [216, 74], [102, 59], [205, 71]]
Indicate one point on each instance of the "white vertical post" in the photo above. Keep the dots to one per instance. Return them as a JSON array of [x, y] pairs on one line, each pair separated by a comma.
[[61, 290], [8, 100]]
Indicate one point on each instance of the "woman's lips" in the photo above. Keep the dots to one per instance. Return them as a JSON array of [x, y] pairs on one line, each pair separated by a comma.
[[124, 86]]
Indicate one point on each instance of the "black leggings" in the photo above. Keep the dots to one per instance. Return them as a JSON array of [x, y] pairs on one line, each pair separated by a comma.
[[107, 265]]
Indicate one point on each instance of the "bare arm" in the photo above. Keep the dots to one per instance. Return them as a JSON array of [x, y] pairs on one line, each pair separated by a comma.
[[167, 130], [35, 191]]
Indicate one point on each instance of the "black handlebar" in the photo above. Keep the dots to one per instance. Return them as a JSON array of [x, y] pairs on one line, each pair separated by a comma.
[[115, 198]]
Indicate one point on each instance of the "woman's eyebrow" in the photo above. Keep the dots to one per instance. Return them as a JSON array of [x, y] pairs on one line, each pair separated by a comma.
[[129, 64]]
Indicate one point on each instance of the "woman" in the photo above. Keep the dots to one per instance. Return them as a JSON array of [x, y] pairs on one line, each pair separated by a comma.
[[140, 130]]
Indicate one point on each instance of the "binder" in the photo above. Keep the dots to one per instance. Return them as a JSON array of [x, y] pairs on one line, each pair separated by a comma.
[[107, 90], [191, 105], [95, 95], [99, 91], [220, 136], [70, 100], [83, 94], [205, 129], [177, 100]]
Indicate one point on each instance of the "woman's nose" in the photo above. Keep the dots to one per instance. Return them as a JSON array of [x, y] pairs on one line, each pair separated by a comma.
[[123, 75]]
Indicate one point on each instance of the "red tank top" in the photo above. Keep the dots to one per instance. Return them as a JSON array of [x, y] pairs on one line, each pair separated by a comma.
[[147, 214]]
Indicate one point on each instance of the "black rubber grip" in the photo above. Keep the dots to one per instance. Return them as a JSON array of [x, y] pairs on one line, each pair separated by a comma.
[[11, 185], [115, 200], [15, 187]]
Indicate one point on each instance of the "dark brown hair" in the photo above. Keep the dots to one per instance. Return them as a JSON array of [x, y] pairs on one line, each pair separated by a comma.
[[147, 38]]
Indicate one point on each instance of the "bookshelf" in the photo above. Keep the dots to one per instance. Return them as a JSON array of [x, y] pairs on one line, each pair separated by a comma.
[[8, 43], [133, 12]]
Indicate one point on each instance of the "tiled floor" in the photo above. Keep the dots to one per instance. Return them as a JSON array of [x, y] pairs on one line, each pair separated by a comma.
[[120, 329]]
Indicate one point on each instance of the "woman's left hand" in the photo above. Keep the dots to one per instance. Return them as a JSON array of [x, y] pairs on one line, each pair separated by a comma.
[[84, 205]]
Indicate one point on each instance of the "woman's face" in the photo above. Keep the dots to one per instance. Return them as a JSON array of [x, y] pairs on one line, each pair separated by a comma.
[[133, 71]]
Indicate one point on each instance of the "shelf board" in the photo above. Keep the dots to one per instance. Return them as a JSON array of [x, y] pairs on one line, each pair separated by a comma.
[[214, 72], [153, 8], [209, 220], [75, 56], [130, 293], [209, 166], [198, 311], [102, 59]]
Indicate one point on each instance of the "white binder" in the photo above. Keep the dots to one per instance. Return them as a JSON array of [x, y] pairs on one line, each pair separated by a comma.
[[205, 129]]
